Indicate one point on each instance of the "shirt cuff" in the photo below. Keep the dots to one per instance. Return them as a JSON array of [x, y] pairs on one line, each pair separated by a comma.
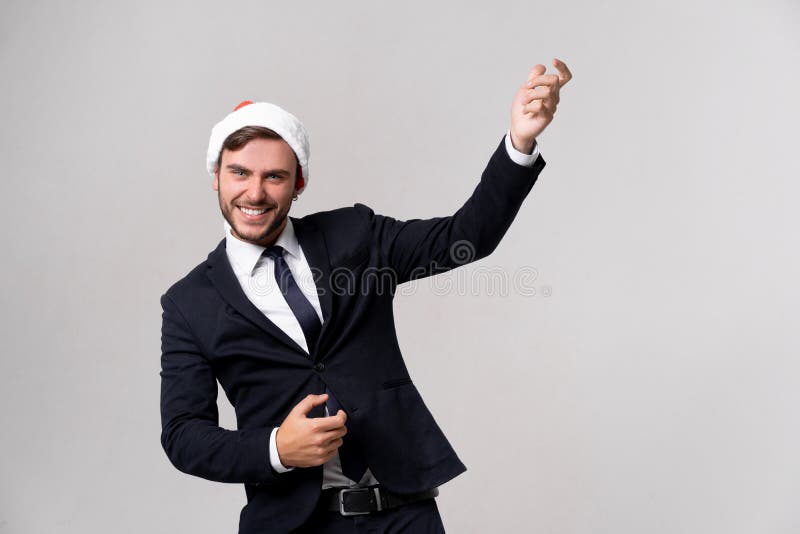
[[274, 459], [520, 158]]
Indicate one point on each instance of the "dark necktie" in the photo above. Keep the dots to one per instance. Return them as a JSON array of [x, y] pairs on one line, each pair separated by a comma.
[[353, 464]]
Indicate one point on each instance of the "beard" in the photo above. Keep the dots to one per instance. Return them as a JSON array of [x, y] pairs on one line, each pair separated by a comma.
[[254, 235]]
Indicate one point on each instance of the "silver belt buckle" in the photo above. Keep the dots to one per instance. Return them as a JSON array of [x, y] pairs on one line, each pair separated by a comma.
[[350, 490]]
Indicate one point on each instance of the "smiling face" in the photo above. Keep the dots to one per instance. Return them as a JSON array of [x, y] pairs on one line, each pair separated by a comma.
[[255, 185]]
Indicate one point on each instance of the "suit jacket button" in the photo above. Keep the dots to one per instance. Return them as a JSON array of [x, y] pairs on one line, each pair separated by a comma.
[[319, 366]]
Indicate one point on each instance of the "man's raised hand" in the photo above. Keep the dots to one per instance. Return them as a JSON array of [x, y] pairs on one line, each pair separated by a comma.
[[535, 104]]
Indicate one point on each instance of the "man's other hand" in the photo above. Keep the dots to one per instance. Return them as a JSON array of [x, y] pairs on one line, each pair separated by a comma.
[[304, 441], [535, 104]]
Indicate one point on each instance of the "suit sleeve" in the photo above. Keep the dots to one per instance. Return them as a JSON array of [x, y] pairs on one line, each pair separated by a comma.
[[191, 435], [421, 247]]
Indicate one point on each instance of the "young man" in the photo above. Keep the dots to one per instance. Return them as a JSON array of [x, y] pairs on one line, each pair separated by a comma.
[[293, 317]]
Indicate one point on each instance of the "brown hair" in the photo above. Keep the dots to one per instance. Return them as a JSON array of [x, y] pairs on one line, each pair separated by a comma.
[[242, 136]]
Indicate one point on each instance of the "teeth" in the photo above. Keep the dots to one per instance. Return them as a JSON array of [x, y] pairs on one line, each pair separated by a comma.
[[249, 211]]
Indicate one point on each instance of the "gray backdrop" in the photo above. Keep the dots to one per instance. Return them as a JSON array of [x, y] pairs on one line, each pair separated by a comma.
[[643, 378]]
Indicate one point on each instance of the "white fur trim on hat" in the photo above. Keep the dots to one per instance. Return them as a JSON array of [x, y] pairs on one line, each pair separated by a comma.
[[269, 116]]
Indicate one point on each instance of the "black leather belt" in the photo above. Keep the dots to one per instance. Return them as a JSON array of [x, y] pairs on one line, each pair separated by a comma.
[[366, 500]]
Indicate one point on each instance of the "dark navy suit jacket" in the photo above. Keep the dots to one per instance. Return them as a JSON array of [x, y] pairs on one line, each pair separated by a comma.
[[211, 332]]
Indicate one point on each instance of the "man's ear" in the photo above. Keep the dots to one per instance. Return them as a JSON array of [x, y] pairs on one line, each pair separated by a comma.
[[215, 183]]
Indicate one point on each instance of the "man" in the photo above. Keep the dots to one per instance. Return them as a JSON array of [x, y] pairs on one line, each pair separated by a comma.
[[293, 317]]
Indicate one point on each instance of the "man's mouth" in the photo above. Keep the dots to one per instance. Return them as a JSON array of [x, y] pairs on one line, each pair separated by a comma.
[[253, 212]]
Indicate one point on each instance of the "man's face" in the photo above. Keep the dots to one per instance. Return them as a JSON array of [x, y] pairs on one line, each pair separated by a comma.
[[259, 176]]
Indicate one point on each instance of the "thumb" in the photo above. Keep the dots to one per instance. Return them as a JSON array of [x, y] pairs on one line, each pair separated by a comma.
[[307, 404]]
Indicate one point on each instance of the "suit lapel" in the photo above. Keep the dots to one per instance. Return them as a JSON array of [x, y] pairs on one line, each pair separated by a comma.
[[312, 242], [222, 276]]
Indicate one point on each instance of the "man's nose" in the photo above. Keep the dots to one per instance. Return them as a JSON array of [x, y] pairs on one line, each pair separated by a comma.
[[255, 191]]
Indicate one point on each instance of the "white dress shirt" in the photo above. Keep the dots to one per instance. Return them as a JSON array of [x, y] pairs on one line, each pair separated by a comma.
[[256, 275]]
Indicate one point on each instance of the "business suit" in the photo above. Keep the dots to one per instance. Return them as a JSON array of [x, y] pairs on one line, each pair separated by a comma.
[[211, 332]]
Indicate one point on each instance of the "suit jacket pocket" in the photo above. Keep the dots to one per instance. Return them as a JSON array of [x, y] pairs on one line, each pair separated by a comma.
[[395, 382]]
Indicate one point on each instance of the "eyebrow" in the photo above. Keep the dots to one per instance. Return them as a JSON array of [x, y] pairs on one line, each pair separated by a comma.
[[236, 167]]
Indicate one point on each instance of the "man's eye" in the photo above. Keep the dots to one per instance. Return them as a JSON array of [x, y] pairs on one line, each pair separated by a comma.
[[239, 172]]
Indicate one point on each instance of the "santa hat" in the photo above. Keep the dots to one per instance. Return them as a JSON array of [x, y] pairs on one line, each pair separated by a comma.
[[269, 116]]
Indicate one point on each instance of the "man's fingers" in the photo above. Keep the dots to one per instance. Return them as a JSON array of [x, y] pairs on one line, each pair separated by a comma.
[[538, 77], [539, 107], [336, 433], [551, 80], [308, 403], [541, 92], [564, 75], [537, 70], [331, 422], [534, 107], [333, 445]]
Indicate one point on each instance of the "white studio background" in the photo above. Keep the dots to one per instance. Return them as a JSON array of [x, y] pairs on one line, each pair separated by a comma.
[[650, 382]]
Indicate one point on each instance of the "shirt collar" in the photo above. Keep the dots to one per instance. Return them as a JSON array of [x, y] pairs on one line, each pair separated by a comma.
[[244, 256]]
